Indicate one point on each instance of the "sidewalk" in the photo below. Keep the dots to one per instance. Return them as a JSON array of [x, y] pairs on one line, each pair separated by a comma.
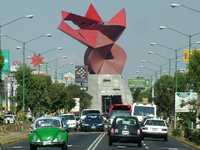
[[186, 142], [11, 137]]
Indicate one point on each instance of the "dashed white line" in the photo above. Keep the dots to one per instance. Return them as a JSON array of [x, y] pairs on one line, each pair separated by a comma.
[[145, 146]]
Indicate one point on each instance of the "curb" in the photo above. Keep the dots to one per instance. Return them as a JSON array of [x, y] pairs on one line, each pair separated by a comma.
[[187, 143]]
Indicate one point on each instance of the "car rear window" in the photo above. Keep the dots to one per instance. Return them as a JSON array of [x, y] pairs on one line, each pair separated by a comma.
[[90, 112], [126, 121], [68, 117], [48, 123], [155, 122]]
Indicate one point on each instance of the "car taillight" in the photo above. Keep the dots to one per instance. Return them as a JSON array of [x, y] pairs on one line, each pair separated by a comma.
[[113, 131], [164, 129]]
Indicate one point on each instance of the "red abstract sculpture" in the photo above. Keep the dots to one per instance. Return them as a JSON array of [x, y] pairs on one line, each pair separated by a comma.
[[103, 55], [37, 60]]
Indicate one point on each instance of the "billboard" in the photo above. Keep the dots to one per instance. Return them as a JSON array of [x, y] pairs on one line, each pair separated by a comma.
[[138, 83], [81, 74], [6, 65], [77, 105], [182, 100]]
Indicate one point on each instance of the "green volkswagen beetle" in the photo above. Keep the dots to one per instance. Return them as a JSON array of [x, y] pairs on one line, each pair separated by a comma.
[[48, 132]]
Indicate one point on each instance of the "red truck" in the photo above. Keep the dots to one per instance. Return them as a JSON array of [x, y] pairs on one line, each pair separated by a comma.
[[118, 110]]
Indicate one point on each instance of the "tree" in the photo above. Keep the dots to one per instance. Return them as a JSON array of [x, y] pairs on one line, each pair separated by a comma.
[[164, 92], [194, 71], [181, 81], [1, 62]]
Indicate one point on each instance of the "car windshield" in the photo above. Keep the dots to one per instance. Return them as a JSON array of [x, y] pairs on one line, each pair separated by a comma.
[[143, 111], [86, 112], [155, 123], [9, 116], [48, 123], [93, 119], [126, 121], [116, 113], [68, 117]]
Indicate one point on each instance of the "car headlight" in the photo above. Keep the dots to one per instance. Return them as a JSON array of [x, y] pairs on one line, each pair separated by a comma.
[[57, 140], [36, 139], [100, 124]]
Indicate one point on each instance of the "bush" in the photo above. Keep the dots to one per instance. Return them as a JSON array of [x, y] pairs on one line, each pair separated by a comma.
[[176, 132], [196, 136]]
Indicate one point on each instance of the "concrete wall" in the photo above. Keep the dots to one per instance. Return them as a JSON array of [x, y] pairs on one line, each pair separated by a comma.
[[99, 85]]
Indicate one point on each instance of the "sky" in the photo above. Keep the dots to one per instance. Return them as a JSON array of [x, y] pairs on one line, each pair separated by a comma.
[[143, 20]]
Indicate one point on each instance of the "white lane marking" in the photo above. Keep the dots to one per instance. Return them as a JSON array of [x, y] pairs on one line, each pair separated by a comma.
[[167, 148], [91, 145], [121, 147], [145, 146], [69, 145], [16, 147], [97, 143]]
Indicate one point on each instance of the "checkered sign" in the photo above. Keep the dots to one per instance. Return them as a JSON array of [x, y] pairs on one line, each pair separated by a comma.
[[81, 73]]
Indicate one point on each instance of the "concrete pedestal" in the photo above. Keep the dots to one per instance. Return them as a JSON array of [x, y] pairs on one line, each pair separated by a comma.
[[108, 85]]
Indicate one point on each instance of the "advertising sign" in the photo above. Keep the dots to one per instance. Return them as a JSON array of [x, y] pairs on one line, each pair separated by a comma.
[[182, 100], [81, 74], [6, 66], [138, 83]]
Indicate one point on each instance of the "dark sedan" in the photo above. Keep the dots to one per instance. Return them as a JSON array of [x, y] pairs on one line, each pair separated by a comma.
[[125, 129], [92, 122]]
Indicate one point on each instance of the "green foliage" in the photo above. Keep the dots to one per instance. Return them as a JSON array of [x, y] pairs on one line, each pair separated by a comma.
[[194, 71], [196, 136], [181, 82], [164, 91], [177, 132], [1, 61], [43, 96]]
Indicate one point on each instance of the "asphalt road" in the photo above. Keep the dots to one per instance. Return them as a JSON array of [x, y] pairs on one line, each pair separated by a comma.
[[99, 141]]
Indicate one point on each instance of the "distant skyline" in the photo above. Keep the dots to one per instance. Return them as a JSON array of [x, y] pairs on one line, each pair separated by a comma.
[[143, 21]]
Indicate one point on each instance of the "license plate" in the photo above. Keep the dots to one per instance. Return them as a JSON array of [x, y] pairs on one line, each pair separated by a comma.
[[93, 127], [154, 129], [125, 132]]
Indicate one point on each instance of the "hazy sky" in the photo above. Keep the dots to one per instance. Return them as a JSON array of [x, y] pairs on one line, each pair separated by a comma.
[[143, 20]]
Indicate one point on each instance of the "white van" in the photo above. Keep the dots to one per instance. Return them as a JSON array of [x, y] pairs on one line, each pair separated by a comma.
[[141, 110]]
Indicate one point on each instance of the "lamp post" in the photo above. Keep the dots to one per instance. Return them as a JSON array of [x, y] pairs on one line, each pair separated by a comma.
[[176, 57], [189, 36], [10, 22], [169, 59], [24, 43], [175, 5]]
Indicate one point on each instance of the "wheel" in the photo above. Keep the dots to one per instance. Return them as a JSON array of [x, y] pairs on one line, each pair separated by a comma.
[[166, 138], [140, 144], [33, 147], [64, 147], [110, 142]]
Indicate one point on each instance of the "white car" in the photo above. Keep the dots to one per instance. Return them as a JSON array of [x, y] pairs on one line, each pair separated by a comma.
[[9, 118], [155, 128], [70, 120]]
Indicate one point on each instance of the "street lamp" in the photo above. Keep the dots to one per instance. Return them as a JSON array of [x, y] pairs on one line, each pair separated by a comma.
[[24, 43], [169, 59], [12, 21], [189, 36], [144, 61], [175, 5]]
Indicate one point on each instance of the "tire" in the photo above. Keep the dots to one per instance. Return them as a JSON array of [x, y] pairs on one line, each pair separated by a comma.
[[64, 147], [110, 141], [140, 144], [33, 147], [166, 138]]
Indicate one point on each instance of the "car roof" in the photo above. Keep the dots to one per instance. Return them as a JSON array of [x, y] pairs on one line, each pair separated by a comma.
[[126, 117], [90, 109], [68, 114], [159, 119], [49, 117]]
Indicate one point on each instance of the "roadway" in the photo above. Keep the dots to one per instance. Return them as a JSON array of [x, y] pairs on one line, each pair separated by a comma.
[[99, 141]]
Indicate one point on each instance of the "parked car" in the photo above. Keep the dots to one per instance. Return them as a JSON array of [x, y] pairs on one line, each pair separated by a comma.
[[48, 132], [92, 122], [156, 128], [125, 129], [70, 121], [9, 118]]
